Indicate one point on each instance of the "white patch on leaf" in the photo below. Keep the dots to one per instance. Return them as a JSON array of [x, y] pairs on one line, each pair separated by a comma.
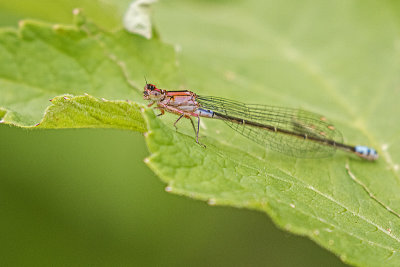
[[137, 18]]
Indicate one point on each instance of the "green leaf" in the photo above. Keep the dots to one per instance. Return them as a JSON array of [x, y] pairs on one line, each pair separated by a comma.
[[322, 199], [89, 112], [104, 13], [41, 61], [340, 60]]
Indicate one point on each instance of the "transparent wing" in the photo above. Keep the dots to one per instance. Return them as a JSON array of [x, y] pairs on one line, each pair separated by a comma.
[[297, 121]]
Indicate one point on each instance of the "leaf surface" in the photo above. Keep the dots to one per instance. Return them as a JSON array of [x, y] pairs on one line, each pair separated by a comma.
[[271, 53], [337, 59], [88, 112], [104, 13], [42, 61]]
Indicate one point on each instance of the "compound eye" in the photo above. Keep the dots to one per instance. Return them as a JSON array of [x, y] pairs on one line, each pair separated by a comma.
[[151, 87]]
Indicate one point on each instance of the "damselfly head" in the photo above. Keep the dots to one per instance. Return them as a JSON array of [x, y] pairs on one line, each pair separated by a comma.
[[150, 86], [151, 92]]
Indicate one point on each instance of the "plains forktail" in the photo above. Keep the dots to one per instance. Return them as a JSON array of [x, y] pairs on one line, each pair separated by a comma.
[[294, 132]]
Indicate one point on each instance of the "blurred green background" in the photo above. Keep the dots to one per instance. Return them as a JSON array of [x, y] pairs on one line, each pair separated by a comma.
[[85, 197]]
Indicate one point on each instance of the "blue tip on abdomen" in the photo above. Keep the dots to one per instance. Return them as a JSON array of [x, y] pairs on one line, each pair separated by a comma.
[[366, 152]]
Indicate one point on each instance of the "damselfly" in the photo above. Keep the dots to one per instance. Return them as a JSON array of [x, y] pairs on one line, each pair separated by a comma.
[[294, 132]]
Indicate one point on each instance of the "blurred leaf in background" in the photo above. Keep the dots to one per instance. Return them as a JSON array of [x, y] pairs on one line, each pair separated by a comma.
[[105, 13]]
